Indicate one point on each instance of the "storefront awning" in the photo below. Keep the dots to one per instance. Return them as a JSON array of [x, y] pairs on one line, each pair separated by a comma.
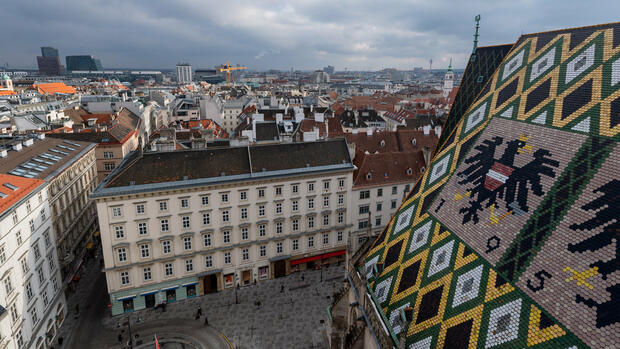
[[126, 297], [317, 257], [279, 258], [170, 288], [189, 284], [148, 293]]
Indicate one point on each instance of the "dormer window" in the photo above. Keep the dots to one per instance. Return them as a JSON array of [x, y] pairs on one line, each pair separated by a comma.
[[385, 175], [414, 142], [368, 176], [382, 143], [409, 171], [422, 169]]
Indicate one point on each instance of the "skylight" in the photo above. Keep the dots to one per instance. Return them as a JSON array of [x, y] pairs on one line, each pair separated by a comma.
[[3, 195], [10, 186], [65, 147]]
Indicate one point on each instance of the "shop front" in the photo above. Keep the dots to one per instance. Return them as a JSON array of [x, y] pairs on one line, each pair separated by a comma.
[[278, 265], [153, 295], [316, 261]]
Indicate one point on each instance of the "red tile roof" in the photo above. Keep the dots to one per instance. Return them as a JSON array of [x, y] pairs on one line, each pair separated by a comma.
[[50, 88], [385, 168], [24, 187]]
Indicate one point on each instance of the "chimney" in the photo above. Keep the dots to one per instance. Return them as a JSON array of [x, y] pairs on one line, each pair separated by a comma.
[[426, 152], [438, 131], [427, 130], [3, 153], [17, 146], [311, 108], [369, 131], [28, 142]]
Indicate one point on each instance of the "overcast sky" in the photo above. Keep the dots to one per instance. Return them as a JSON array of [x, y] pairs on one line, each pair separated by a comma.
[[358, 35]]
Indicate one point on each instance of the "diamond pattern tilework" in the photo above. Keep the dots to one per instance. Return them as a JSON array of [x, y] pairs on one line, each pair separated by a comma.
[[527, 202]]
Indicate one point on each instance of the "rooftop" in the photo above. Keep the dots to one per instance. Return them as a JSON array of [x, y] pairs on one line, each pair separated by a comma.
[[14, 188]]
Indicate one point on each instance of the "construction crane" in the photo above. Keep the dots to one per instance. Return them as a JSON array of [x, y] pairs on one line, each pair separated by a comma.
[[228, 69]]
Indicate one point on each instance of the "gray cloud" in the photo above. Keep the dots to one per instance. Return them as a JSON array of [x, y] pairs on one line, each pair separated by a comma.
[[360, 34]]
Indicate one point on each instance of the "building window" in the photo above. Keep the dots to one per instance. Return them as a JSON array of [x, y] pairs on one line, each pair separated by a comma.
[[278, 191], [310, 241], [163, 205], [43, 216], [363, 224], [325, 220], [325, 238], [31, 223], [119, 231], [46, 300], [108, 155], [140, 209], [226, 234], [310, 203], [295, 188], [164, 225], [340, 217], [185, 222], [225, 216], [40, 197], [46, 238], [243, 195], [262, 230], [245, 254], [14, 318], [295, 245], [187, 243], [325, 201], [278, 208], [36, 251], [108, 166], [51, 263], [295, 224], [364, 194], [310, 187], [142, 228], [18, 237], [184, 203], [116, 212], [2, 254], [166, 247], [122, 254], [8, 285], [340, 199], [146, 272], [124, 278], [326, 185], [24, 264], [206, 218], [278, 227], [339, 236], [145, 251], [341, 183], [34, 316], [206, 238], [208, 261], [262, 250], [310, 222], [378, 221], [29, 292], [224, 198], [295, 205], [168, 269], [380, 192], [364, 209], [278, 247], [227, 258], [261, 210], [261, 193], [407, 188], [393, 204], [394, 190], [14, 217], [244, 213], [189, 265], [379, 206], [244, 234]]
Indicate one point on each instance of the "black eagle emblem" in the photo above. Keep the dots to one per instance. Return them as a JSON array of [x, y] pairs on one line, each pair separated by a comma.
[[490, 178]]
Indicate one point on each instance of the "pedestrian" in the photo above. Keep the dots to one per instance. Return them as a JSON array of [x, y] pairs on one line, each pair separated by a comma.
[[77, 308], [206, 321], [282, 289], [60, 340], [120, 338], [199, 311], [302, 277]]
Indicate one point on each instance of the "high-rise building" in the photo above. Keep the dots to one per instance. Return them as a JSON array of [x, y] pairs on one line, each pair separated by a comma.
[[184, 72], [83, 63], [49, 52], [49, 61], [329, 69]]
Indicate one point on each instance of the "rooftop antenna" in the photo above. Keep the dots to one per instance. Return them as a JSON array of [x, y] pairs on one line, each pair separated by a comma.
[[477, 19], [430, 65]]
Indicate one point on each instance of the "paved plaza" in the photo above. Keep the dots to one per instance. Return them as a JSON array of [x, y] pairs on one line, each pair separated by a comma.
[[291, 318]]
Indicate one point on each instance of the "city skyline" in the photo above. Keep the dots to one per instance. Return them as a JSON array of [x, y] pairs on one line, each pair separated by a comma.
[[276, 35]]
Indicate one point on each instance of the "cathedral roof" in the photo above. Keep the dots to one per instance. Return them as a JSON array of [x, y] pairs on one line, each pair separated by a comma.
[[509, 238]]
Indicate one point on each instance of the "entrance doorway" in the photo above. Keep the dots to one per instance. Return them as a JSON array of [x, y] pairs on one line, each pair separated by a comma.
[[246, 277], [149, 300], [128, 305], [210, 283], [171, 296], [279, 268]]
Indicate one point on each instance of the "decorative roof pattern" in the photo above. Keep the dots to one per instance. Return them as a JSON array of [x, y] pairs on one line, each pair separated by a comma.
[[510, 237]]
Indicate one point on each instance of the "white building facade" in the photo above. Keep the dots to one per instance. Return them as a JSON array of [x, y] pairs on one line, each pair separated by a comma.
[[169, 241], [31, 288], [184, 73]]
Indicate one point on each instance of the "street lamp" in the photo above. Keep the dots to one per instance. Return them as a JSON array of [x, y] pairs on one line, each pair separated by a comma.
[[118, 324]]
